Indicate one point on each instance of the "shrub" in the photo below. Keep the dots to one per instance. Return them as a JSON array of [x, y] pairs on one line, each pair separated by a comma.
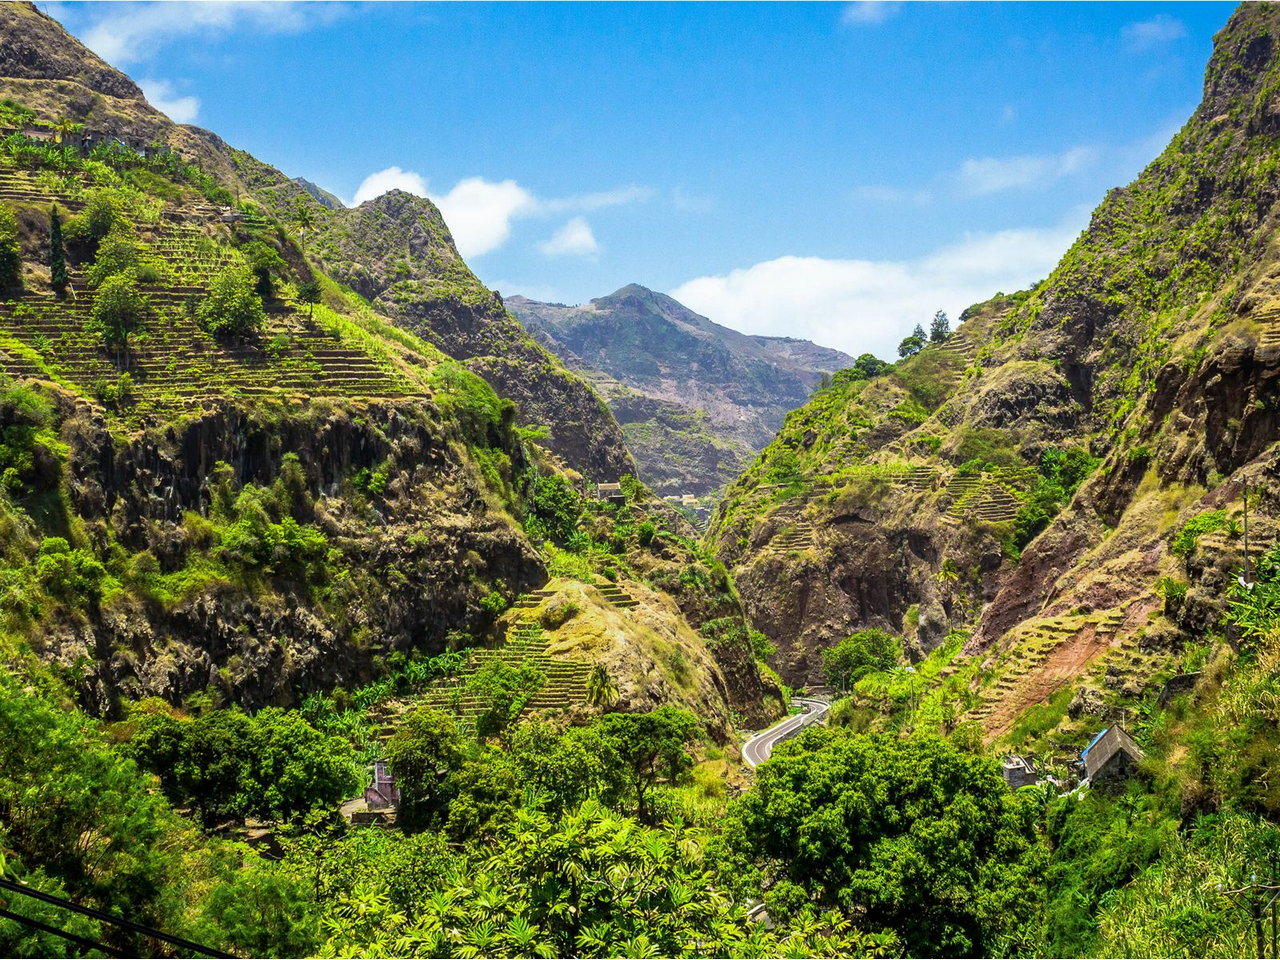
[[10, 250], [232, 308], [72, 576], [1184, 541], [100, 214], [118, 310]]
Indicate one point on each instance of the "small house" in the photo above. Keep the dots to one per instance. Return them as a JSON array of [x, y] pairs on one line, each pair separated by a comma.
[[1111, 758], [382, 794], [611, 493], [1019, 772]]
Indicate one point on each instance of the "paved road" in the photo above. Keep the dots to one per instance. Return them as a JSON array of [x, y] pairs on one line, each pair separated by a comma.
[[756, 750]]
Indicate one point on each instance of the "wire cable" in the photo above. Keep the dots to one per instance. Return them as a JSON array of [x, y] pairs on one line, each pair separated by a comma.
[[117, 921], [78, 940]]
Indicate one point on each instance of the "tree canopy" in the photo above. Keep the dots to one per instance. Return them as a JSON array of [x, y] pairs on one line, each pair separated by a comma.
[[913, 836]]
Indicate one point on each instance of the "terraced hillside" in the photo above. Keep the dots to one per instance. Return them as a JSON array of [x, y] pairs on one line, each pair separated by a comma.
[[1062, 482], [563, 685], [172, 363]]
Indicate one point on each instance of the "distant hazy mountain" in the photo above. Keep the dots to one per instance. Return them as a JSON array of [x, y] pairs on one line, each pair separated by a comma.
[[696, 400]]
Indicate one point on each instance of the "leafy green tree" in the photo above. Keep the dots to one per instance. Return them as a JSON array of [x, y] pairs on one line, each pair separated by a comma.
[[310, 293], [913, 836], [913, 343], [651, 748], [555, 508], [232, 308], [485, 792], [10, 251], [214, 772], [854, 657], [423, 751], [296, 768], [118, 310], [940, 328], [868, 366], [564, 768], [119, 252], [101, 212], [58, 278], [267, 264], [503, 691]]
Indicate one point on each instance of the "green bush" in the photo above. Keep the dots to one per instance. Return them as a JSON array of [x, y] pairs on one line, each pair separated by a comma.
[[72, 576], [10, 251], [232, 308], [1184, 541], [118, 310]]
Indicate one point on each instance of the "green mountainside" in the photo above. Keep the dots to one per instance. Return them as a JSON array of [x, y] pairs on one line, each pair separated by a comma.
[[1028, 481], [240, 468], [318, 638], [696, 400]]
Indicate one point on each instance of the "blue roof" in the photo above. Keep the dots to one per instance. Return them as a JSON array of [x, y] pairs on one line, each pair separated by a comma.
[[1086, 750]]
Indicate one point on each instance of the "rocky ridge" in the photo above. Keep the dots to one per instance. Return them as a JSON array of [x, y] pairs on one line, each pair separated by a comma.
[[696, 400], [1024, 481]]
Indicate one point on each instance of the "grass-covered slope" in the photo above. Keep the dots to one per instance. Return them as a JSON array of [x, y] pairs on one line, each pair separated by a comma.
[[1026, 481]]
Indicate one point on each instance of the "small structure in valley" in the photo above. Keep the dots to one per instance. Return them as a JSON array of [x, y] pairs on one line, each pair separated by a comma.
[[1111, 758], [382, 794], [1019, 772], [611, 493]]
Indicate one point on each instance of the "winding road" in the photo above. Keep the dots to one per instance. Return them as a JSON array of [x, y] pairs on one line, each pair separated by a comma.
[[756, 750]]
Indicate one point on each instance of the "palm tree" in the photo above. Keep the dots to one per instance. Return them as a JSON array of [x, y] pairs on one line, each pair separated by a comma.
[[602, 692], [65, 127], [302, 215]]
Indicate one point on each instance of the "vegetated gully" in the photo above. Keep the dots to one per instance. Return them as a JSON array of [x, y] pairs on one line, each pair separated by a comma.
[[756, 750]]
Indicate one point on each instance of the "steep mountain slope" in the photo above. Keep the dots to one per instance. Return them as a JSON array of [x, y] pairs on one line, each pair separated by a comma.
[[323, 497], [695, 399], [1042, 478], [395, 250]]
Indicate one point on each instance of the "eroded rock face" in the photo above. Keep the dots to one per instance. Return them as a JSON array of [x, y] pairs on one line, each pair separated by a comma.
[[413, 561], [1154, 346]]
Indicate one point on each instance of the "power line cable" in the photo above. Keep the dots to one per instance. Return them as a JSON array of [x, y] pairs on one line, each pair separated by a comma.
[[78, 940], [117, 921]]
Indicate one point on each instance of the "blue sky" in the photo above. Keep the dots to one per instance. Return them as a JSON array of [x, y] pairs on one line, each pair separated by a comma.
[[831, 171]]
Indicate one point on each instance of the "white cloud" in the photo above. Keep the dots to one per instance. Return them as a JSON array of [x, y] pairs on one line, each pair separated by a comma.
[[983, 175], [480, 212], [162, 95], [867, 306], [392, 178], [573, 239], [1147, 34], [868, 11], [124, 33], [587, 202]]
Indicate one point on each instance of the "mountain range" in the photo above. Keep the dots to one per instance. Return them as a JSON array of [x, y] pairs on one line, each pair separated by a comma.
[[696, 400]]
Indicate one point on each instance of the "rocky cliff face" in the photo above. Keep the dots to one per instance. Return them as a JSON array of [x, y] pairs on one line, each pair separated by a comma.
[[1024, 481], [250, 520], [696, 399]]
